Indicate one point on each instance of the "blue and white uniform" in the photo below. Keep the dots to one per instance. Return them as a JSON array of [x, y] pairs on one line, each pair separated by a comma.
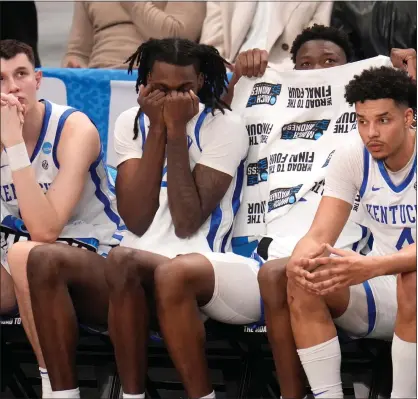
[[390, 204], [94, 222], [219, 142]]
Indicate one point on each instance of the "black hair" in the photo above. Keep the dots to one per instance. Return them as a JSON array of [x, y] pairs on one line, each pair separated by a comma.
[[183, 52], [383, 82], [10, 48], [322, 32]]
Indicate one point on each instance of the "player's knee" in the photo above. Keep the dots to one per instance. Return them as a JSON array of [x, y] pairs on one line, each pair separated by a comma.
[[121, 269], [301, 301], [43, 265], [173, 279], [14, 259], [407, 295], [272, 280]]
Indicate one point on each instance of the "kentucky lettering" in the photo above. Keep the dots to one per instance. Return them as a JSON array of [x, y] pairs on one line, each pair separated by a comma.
[[394, 214]]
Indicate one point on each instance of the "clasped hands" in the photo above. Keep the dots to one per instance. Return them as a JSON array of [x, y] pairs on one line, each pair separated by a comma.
[[320, 274]]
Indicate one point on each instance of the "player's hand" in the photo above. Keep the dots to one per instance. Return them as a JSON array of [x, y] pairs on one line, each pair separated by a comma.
[[299, 270], [344, 270], [151, 103], [179, 109], [405, 59], [12, 119], [250, 63]]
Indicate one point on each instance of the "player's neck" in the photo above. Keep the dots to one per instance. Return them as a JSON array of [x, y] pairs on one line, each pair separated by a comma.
[[33, 123], [400, 159]]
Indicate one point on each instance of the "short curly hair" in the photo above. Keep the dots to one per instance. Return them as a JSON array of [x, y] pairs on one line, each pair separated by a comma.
[[322, 32], [382, 82]]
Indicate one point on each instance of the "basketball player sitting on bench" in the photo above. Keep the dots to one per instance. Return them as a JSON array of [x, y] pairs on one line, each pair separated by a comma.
[[54, 186], [367, 296]]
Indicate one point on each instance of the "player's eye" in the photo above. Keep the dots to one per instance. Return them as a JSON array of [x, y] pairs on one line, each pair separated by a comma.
[[361, 121], [305, 64], [384, 120], [330, 61]]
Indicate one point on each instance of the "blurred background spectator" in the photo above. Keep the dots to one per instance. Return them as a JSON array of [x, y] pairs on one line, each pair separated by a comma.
[[375, 27], [19, 21], [233, 27], [105, 34]]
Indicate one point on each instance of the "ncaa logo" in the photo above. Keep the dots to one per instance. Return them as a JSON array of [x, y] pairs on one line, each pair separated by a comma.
[[47, 148], [45, 164]]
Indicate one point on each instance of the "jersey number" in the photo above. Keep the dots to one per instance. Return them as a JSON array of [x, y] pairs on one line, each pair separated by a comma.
[[405, 237]]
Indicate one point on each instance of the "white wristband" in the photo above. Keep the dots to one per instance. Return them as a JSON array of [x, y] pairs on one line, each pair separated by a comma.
[[18, 157]]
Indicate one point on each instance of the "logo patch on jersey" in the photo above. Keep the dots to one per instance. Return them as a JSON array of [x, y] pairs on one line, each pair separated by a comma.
[[47, 148], [309, 130], [415, 186], [257, 172], [282, 196], [45, 164], [258, 133], [376, 188], [328, 159], [346, 123], [264, 93], [309, 97]]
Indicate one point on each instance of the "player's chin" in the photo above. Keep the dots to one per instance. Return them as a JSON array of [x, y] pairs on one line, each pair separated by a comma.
[[379, 155]]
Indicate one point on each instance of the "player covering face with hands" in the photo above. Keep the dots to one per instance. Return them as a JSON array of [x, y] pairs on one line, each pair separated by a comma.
[[179, 185]]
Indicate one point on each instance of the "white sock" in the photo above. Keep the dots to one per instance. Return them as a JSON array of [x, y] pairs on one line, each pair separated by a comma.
[[67, 394], [46, 384], [210, 396], [404, 361], [322, 365], [135, 396]]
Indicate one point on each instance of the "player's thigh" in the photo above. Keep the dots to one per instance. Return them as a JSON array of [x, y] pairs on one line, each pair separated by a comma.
[[236, 297], [371, 310], [17, 258], [7, 294], [82, 271]]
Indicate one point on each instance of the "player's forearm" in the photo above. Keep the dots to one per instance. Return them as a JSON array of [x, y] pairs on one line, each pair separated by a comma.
[[138, 193], [183, 197], [38, 214], [400, 262], [306, 246]]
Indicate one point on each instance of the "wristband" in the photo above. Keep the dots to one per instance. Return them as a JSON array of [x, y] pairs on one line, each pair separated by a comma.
[[18, 157]]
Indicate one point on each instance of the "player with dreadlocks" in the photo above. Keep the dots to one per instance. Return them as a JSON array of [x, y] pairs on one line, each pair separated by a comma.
[[178, 188]]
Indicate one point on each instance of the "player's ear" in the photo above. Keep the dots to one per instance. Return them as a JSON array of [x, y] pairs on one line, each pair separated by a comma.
[[200, 81], [409, 117], [38, 78]]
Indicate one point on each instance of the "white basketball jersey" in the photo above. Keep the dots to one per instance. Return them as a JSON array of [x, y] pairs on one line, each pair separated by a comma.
[[215, 234], [391, 208], [95, 220]]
